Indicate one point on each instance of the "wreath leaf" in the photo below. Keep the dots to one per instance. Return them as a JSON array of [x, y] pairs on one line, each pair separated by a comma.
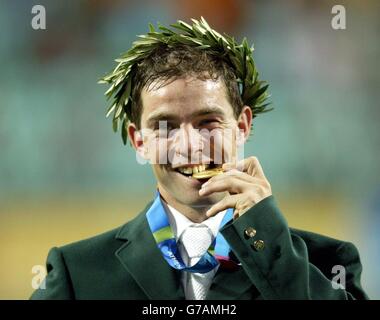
[[199, 35]]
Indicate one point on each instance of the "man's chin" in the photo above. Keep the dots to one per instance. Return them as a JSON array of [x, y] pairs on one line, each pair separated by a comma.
[[198, 202]]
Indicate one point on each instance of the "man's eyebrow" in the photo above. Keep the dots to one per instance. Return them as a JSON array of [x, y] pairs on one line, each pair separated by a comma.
[[160, 115], [209, 110], [164, 115]]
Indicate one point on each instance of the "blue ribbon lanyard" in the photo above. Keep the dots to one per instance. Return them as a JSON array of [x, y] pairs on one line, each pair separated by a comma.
[[166, 242]]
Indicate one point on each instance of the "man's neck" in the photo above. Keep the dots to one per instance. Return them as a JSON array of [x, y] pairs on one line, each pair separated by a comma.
[[195, 214]]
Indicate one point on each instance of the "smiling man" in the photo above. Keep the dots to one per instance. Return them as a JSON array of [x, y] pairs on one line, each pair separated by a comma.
[[196, 113], [213, 230]]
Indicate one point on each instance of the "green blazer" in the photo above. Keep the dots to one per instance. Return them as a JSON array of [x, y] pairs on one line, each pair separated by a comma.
[[125, 263]]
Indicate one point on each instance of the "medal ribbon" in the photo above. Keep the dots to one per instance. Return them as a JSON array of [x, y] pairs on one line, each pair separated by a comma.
[[163, 234]]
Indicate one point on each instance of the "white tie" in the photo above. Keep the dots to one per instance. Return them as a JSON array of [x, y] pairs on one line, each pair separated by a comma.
[[196, 239]]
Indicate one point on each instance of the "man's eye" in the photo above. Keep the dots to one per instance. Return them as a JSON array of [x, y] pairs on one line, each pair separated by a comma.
[[162, 127], [163, 131], [208, 122]]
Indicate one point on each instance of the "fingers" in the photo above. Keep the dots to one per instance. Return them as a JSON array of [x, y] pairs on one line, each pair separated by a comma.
[[227, 202], [230, 184], [233, 173], [240, 205], [249, 165], [245, 183]]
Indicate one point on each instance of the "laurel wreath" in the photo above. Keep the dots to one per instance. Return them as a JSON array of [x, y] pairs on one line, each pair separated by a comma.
[[254, 92]]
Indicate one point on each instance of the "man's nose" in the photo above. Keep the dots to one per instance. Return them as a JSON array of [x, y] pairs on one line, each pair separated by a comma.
[[188, 141]]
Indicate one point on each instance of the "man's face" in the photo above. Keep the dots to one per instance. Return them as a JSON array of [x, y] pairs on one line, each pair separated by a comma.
[[185, 124]]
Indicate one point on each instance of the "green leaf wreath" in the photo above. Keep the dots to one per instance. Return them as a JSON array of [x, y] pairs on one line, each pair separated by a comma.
[[200, 35]]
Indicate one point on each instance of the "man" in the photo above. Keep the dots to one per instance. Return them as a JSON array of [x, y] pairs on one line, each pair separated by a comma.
[[213, 230]]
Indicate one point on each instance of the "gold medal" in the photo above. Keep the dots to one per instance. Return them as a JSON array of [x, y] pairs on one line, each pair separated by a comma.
[[207, 173]]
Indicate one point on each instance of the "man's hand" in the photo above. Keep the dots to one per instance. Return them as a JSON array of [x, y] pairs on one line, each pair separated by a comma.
[[245, 183]]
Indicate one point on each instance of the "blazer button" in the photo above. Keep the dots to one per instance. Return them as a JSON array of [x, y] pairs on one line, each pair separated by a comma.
[[250, 232], [258, 245]]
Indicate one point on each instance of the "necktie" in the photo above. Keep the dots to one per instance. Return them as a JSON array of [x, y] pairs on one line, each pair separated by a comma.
[[196, 239]]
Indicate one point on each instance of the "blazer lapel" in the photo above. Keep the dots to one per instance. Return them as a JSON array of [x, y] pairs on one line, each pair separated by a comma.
[[144, 261], [231, 285]]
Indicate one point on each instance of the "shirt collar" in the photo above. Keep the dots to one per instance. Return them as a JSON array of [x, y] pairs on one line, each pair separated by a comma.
[[180, 222]]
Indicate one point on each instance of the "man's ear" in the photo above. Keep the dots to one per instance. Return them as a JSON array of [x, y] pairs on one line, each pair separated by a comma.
[[137, 140], [244, 123]]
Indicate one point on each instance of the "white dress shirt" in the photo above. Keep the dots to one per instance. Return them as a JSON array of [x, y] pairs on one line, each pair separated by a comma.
[[179, 223]]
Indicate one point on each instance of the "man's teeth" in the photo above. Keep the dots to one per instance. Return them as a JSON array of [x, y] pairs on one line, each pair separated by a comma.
[[193, 169]]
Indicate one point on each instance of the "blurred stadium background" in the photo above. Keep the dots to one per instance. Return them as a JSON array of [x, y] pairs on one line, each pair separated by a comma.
[[64, 175]]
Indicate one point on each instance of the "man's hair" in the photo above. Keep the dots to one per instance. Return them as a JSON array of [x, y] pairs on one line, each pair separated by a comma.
[[166, 64], [184, 50]]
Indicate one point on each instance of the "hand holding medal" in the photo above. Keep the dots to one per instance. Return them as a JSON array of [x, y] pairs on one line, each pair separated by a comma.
[[245, 183]]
